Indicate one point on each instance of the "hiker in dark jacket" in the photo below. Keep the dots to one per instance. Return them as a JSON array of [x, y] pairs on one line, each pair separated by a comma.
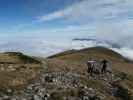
[[90, 68], [104, 66]]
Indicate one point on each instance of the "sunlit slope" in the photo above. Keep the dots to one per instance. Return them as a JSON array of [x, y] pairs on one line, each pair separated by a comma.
[[118, 62], [16, 57]]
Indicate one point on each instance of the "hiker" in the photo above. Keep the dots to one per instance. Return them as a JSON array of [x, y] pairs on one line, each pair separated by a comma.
[[104, 66], [90, 65]]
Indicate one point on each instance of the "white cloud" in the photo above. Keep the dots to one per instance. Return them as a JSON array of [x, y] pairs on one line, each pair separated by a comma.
[[52, 16], [110, 19], [120, 32], [126, 52], [95, 10], [61, 14], [106, 19]]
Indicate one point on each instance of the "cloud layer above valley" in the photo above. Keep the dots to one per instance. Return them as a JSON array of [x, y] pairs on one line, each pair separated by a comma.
[[104, 20], [109, 19]]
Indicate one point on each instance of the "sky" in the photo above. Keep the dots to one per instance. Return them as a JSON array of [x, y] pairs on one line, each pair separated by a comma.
[[44, 27]]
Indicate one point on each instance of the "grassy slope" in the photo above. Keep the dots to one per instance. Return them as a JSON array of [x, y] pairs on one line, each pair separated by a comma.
[[95, 52], [16, 57], [26, 67], [82, 56], [74, 61]]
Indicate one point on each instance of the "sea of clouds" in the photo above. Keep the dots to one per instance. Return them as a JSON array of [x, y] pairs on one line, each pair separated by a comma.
[[106, 23], [45, 47]]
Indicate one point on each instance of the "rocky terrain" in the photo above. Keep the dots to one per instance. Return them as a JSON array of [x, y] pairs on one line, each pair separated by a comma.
[[64, 76]]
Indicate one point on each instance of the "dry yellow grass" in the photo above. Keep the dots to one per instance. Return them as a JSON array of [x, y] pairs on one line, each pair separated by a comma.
[[80, 57], [17, 70]]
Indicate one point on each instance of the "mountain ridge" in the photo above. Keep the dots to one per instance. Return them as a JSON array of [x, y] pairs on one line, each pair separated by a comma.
[[97, 49], [65, 76]]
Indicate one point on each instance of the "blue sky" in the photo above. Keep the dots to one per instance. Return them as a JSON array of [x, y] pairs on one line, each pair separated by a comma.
[[54, 23], [27, 16], [22, 14]]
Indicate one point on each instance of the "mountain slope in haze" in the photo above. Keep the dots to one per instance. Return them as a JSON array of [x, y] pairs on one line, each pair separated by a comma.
[[97, 42]]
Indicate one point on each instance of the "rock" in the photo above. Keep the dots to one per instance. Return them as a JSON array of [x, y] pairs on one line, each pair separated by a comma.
[[47, 83], [46, 97], [2, 68], [23, 99], [9, 91], [11, 68], [87, 93], [36, 97], [48, 79], [6, 97], [14, 99], [41, 92]]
